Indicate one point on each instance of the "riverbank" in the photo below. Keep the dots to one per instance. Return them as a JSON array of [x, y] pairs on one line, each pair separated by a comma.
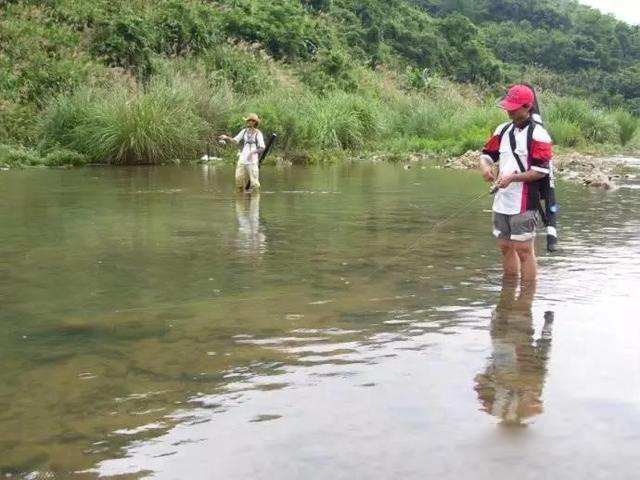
[[595, 171], [180, 113]]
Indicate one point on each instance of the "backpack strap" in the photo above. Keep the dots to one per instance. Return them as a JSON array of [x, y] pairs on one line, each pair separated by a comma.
[[501, 134], [512, 143], [503, 131]]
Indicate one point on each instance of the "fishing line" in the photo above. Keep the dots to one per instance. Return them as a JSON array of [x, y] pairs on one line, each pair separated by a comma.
[[422, 236], [412, 246]]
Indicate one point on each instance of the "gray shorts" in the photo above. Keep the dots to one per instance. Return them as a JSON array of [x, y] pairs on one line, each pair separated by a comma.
[[520, 227]]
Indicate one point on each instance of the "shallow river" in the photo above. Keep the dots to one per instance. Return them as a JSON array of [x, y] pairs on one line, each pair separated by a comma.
[[348, 322]]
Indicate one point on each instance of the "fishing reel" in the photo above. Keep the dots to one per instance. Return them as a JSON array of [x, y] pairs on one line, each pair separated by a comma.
[[494, 189]]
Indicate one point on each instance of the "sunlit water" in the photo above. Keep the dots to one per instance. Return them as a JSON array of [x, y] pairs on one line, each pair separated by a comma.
[[348, 322]]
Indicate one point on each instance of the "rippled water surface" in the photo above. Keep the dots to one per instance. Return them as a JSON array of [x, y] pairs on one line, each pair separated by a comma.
[[348, 322]]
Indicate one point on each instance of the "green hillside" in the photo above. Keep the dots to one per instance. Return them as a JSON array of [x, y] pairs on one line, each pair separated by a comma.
[[147, 81]]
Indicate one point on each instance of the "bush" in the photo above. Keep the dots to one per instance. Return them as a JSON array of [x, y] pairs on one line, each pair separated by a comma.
[[331, 71], [125, 43], [243, 70], [307, 121], [280, 26], [62, 157], [18, 157], [182, 28]]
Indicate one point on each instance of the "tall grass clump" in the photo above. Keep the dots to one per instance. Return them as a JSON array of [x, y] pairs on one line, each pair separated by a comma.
[[211, 100], [123, 127], [628, 125], [571, 109], [601, 127], [343, 121], [565, 114], [565, 132], [449, 124], [58, 124], [313, 122], [419, 116], [283, 112]]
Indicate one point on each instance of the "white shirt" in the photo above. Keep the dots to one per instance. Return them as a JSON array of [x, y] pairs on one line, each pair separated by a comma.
[[517, 198], [253, 140]]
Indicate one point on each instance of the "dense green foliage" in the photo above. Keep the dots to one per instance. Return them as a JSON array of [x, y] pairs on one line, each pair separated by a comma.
[[595, 54], [149, 81]]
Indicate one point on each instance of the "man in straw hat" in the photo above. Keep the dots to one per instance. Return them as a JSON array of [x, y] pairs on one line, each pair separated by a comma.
[[251, 143]]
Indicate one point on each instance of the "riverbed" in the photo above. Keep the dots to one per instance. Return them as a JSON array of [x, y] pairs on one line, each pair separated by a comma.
[[346, 322]]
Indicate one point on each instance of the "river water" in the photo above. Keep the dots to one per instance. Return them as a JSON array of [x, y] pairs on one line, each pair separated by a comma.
[[348, 322]]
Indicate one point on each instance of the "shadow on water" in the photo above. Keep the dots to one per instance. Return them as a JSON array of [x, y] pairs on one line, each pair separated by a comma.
[[511, 386]]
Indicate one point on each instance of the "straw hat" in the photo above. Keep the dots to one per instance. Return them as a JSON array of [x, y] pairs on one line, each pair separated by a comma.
[[252, 116]]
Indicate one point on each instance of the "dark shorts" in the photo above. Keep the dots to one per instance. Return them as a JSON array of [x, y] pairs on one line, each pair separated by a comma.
[[519, 228]]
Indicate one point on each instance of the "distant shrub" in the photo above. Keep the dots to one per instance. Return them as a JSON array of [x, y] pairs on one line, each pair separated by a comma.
[[304, 120], [281, 113], [125, 43], [246, 73], [11, 156], [212, 103], [330, 71], [183, 28], [279, 26], [62, 157], [318, 5]]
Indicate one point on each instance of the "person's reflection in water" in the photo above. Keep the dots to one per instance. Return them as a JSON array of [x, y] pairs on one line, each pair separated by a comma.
[[251, 240], [511, 386]]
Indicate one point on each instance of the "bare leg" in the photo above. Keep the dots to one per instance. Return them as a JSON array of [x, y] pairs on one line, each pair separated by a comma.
[[510, 259], [529, 264]]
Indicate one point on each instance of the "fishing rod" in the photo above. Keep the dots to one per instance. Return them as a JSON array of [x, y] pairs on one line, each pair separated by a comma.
[[548, 188], [267, 148]]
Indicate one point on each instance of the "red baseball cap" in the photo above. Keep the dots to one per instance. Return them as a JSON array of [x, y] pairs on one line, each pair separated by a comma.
[[517, 96]]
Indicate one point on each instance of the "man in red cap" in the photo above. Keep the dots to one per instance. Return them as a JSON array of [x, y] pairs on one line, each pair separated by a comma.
[[522, 150]]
